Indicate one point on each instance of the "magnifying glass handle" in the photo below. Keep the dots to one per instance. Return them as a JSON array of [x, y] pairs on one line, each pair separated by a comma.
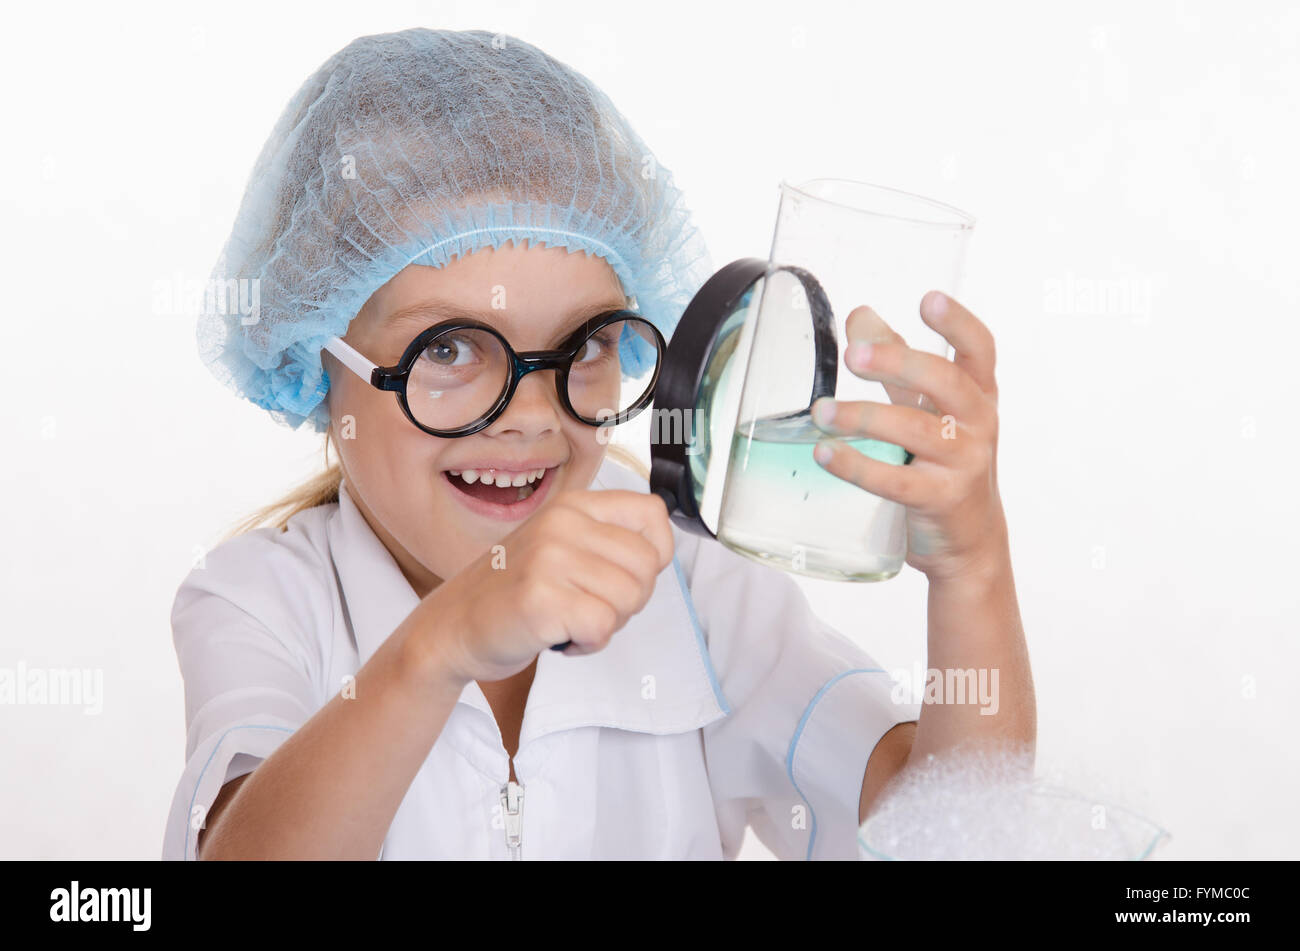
[[560, 647]]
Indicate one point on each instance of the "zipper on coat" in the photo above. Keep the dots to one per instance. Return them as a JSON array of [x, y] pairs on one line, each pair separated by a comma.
[[512, 812]]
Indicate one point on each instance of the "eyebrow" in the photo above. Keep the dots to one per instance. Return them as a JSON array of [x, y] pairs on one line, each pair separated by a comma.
[[435, 309]]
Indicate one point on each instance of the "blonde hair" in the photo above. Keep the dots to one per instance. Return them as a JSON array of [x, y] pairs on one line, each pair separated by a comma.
[[323, 489]]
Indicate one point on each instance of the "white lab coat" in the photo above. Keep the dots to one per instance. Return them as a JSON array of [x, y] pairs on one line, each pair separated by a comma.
[[727, 706]]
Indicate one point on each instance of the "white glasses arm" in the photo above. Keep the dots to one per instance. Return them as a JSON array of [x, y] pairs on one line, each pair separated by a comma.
[[350, 358]]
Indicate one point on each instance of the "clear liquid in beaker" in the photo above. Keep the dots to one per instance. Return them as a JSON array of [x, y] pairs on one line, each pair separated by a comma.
[[780, 507]]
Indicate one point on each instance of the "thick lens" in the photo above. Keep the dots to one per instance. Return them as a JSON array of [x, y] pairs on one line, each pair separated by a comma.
[[613, 369], [458, 377]]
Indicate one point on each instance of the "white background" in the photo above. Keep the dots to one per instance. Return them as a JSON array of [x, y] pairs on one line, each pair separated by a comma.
[[1148, 452]]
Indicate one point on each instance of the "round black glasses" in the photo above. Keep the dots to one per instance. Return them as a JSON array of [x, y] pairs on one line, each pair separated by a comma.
[[457, 377]]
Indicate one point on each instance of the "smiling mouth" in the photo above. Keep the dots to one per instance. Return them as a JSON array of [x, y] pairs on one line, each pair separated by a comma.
[[498, 486]]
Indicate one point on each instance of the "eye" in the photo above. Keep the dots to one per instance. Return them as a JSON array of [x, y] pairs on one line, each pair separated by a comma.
[[449, 351], [598, 345]]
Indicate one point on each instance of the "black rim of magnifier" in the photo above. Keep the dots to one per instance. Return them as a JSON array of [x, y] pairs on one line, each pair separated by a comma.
[[687, 358]]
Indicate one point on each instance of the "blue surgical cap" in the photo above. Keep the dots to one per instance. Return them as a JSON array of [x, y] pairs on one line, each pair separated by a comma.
[[415, 148]]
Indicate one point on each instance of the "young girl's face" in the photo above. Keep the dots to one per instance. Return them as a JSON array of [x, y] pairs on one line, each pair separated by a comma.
[[399, 476]]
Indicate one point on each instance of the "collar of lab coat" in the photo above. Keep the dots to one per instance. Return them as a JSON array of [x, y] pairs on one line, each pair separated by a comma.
[[654, 676]]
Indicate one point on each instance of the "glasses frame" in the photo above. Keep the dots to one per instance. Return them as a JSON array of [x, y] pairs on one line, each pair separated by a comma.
[[394, 378]]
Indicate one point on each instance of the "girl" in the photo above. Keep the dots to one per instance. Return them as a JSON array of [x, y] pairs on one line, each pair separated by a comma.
[[372, 675]]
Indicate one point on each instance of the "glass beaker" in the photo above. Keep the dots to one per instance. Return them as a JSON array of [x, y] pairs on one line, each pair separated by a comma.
[[864, 245]]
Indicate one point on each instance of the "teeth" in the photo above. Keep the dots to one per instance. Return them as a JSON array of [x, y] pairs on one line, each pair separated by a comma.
[[501, 479]]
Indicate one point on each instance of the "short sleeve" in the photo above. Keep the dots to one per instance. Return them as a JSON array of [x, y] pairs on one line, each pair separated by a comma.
[[808, 706], [244, 627]]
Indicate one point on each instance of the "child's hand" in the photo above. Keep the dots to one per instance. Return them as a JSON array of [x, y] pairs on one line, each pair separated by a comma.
[[577, 570], [955, 522]]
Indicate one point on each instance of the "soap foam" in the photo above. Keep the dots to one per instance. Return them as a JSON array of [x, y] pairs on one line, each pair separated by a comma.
[[986, 803]]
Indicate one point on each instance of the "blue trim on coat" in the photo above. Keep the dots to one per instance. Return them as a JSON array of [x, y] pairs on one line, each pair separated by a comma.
[[798, 734], [699, 638], [189, 817]]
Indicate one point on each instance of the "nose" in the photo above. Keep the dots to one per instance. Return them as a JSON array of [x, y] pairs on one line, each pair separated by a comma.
[[534, 409]]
